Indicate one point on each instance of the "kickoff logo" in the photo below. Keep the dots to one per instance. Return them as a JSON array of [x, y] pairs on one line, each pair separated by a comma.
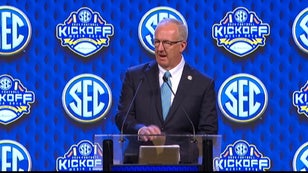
[[149, 22], [300, 30], [15, 29], [15, 99], [85, 32], [242, 98], [241, 156], [300, 100], [83, 156], [86, 98], [240, 32], [14, 157]]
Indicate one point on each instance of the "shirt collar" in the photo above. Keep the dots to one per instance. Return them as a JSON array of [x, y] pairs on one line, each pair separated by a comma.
[[175, 70]]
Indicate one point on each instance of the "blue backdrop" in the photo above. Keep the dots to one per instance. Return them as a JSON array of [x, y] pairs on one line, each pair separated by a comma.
[[45, 67]]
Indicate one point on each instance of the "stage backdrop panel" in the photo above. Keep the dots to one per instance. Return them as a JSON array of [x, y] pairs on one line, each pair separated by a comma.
[[45, 68]]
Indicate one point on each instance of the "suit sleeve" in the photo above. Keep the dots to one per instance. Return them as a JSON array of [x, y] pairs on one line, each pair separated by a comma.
[[208, 123], [128, 90]]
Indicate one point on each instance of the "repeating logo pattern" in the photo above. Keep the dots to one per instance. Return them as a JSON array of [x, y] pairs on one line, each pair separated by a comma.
[[300, 100], [85, 32], [241, 156], [300, 160], [85, 156], [14, 156], [86, 98], [15, 99], [240, 32], [15, 29], [300, 30], [149, 22], [242, 98]]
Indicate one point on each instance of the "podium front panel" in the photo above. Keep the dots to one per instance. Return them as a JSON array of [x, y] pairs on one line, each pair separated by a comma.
[[163, 152]]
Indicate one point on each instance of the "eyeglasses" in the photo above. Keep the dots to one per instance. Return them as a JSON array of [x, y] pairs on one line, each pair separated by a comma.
[[166, 43]]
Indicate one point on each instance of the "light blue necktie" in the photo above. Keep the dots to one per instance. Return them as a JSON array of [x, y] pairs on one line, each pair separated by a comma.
[[166, 94]]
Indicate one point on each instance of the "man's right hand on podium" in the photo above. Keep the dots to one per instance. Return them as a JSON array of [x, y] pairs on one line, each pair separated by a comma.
[[147, 133]]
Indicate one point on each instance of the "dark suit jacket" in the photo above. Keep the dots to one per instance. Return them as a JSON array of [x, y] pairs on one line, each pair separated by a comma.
[[195, 96]]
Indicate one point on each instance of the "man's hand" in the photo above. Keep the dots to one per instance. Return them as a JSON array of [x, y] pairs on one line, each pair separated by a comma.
[[145, 133]]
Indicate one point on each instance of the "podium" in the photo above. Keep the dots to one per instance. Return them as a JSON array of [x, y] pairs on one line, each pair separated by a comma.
[[128, 152]]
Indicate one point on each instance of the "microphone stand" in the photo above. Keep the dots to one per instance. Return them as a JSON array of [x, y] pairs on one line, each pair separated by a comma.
[[129, 108]]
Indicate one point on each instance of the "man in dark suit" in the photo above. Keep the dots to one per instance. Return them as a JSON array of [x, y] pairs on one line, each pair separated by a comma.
[[193, 101]]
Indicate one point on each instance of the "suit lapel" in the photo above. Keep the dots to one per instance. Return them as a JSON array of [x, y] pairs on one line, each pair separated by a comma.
[[183, 87], [152, 77]]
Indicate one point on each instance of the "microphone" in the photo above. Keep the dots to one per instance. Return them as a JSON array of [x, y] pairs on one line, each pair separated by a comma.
[[129, 108], [194, 140], [130, 105]]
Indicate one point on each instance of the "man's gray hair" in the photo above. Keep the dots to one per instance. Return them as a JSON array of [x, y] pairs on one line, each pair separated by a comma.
[[183, 30]]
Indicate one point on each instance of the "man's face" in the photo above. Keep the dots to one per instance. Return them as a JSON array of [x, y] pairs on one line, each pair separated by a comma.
[[168, 46]]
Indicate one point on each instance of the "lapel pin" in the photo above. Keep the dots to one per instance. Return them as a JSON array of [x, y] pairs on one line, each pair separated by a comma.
[[189, 77]]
